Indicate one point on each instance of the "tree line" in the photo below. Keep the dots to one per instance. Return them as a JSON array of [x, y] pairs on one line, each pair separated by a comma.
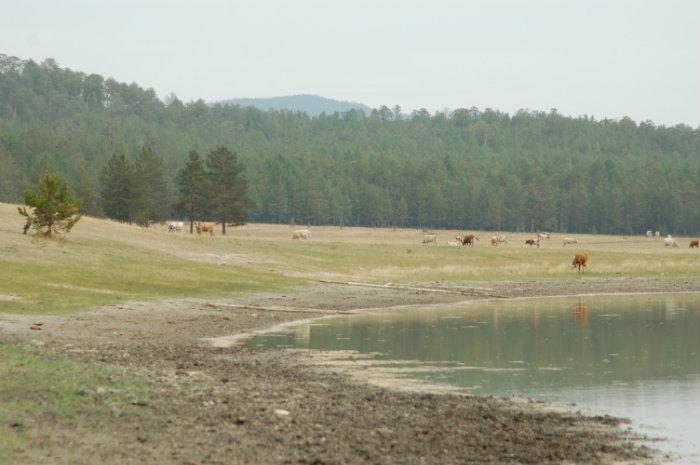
[[466, 168], [211, 188]]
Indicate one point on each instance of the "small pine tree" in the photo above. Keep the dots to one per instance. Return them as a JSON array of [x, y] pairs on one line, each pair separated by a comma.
[[54, 208]]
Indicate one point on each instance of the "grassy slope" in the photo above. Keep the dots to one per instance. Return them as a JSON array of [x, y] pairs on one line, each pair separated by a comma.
[[106, 262]]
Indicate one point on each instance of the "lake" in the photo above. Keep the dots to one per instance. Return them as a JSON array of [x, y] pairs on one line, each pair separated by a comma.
[[630, 356]]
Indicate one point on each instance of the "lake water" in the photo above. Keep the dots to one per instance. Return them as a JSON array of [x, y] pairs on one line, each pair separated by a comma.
[[631, 356]]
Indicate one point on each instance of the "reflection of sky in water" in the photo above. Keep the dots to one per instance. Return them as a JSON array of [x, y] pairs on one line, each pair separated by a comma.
[[631, 356]]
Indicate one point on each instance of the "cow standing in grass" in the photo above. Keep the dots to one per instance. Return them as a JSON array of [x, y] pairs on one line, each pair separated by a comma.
[[203, 227], [469, 239], [580, 260], [429, 239], [694, 244], [302, 234], [175, 226], [670, 242]]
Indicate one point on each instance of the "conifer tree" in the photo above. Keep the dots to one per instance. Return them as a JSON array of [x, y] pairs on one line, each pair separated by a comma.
[[192, 182], [54, 208], [150, 188], [228, 188], [117, 193]]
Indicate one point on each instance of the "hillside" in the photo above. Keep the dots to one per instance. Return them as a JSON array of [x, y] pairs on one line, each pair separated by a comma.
[[468, 169], [312, 105]]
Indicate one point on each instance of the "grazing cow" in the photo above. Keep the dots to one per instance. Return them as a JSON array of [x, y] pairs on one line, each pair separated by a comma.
[[454, 244], [543, 236], [494, 241], [469, 239], [532, 242], [568, 241], [503, 239], [302, 234], [175, 226], [695, 244], [203, 227], [670, 242], [657, 234], [649, 233], [580, 260], [429, 238]]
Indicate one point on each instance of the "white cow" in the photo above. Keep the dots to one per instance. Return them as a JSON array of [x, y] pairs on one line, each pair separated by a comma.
[[670, 242], [502, 239], [302, 234], [649, 233], [428, 238], [658, 234], [175, 226], [569, 241], [543, 236]]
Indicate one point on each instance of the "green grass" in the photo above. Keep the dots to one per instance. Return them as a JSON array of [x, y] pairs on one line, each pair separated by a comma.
[[38, 391], [103, 262], [87, 269], [393, 262]]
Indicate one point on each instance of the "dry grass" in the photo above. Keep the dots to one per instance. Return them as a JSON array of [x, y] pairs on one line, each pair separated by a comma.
[[103, 261]]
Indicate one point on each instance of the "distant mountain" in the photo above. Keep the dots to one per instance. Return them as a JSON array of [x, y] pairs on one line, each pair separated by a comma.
[[313, 105]]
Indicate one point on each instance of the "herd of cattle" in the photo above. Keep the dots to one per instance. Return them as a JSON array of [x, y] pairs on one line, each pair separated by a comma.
[[580, 259], [495, 240]]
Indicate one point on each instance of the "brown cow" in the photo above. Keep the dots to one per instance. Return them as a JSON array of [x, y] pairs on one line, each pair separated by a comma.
[[494, 241], [205, 227], [469, 239], [580, 260], [532, 242], [695, 243]]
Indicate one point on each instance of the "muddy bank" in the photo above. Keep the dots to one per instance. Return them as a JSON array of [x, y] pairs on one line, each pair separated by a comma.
[[248, 406]]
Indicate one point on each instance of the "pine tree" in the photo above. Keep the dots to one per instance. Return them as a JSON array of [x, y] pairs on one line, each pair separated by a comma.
[[228, 187], [150, 188], [192, 182], [117, 194], [54, 208]]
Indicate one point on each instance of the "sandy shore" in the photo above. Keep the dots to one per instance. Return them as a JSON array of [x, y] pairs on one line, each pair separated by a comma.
[[218, 404]]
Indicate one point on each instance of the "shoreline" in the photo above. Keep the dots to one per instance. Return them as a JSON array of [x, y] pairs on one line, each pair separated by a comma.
[[218, 404], [234, 339]]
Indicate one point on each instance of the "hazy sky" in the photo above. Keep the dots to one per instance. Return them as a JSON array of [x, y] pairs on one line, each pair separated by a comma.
[[606, 58]]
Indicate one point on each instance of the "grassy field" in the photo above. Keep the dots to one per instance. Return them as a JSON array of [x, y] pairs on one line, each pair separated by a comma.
[[103, 262], [36, 390]]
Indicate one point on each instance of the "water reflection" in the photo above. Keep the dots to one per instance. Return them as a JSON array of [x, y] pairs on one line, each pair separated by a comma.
[[632, 356]]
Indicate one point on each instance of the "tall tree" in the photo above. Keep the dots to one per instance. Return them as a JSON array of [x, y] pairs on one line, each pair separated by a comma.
[[117, 189], [192, 182], [54, 208], [150, 188], [228, 187]]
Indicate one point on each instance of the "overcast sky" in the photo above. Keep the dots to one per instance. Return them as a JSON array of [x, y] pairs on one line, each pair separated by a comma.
[[596, 57]]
